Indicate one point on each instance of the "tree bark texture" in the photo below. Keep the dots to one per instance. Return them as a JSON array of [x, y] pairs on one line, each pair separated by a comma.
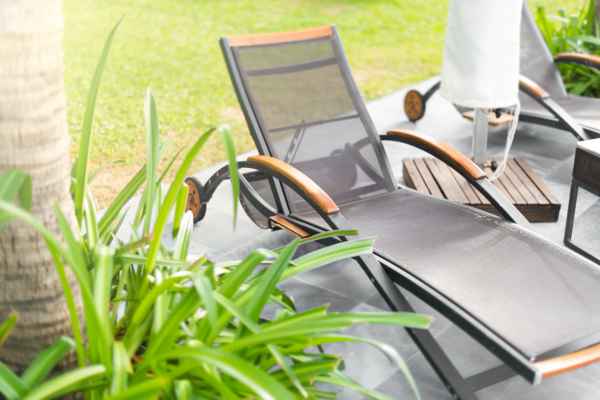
[[34, 139]]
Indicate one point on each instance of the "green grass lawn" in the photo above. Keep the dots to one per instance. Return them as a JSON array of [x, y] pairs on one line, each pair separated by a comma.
[[172, 47]]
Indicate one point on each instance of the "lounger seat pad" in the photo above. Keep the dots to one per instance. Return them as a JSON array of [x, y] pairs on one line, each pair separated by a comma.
[[537, 295], [583, 109]]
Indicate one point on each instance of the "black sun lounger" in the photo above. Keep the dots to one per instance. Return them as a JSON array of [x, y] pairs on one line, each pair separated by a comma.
[[322, 166], [544, 100]]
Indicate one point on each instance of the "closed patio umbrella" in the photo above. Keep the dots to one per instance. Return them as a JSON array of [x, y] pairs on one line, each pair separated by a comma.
[[481, 64]]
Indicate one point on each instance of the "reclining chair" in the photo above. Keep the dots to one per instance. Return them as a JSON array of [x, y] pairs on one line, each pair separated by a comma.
[[544, 100], [322, 166]]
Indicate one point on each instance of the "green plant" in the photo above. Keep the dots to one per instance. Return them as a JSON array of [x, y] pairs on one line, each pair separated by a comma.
[[580, 33], [161, 323]]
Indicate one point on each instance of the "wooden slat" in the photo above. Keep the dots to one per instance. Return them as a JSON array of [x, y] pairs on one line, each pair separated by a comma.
[[470, 193], [412, 178], [429, 179], [448, 185], [511, 189], [537, 181], [498, 183], [525, 194], [527, 191], [482, 199], [538, 197]]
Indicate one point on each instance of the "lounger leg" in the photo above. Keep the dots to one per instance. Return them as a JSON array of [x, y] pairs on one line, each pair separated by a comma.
[[435, 355], [490, 377]]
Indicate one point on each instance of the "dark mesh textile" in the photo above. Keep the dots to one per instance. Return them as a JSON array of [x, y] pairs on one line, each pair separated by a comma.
[[263, 188], [306, 112], [535, 294]]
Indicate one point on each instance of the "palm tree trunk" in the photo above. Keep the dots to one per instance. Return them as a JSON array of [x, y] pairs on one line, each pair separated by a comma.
[[34, 139]]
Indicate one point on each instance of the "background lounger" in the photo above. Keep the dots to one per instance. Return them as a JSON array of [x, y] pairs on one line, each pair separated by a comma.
[[544, 99]]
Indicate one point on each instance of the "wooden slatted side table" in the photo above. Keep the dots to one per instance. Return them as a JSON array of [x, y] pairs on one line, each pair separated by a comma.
[[586, 175], [519, 183]]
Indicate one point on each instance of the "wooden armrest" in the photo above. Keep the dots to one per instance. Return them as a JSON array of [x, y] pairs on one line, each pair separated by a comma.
[[532, 88], [578, 58], [443, 151], [568, 362], [280, 37], [283, 223], [302, 182]]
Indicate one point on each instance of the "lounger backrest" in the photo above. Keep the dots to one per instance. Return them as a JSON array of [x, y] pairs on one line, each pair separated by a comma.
[[303, 107], [536, 61]]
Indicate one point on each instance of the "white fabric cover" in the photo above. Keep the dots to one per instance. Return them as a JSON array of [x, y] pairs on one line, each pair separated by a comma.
[[481, 57]]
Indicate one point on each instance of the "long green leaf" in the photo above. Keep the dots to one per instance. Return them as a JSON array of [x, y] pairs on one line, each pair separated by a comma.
[[161, 305], [142, 391], [165, 209], [269, 281], [184, 235], [306, 371], [143, 310], [121, 369], [329, 254], [341, 380], [152, 144], [76, 260], [235, 279], [166, 336], [254, 378], [66, 383], [393, 356], [183, 390], [233, 169], [86, 128], [204, 288], [102, 289], [134, 337], [90, 222], [55, 252], [128, 191], [180, 208], [41, 366], [7, 326], [11, 385], [16, 185], [75, 252]]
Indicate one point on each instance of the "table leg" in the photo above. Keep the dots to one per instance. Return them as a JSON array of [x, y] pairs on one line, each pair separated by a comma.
[[571, 212]]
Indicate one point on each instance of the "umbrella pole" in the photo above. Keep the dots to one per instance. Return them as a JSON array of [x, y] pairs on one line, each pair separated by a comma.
[[480, 136]]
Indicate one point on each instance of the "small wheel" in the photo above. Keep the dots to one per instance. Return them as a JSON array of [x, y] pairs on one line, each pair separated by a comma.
[[194, 200], [414, 105]]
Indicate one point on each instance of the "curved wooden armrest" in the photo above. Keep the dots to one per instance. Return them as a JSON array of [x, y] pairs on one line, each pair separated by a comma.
[[532, 88], [568, 362], [280, 37], [588, 60], [302, 182], [443, 151]]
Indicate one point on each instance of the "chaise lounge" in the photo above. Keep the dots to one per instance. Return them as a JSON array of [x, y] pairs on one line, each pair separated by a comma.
[[322, 166]]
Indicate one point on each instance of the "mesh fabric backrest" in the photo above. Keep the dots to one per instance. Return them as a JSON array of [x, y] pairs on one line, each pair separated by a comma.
[[536, 61], [304, 106]]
